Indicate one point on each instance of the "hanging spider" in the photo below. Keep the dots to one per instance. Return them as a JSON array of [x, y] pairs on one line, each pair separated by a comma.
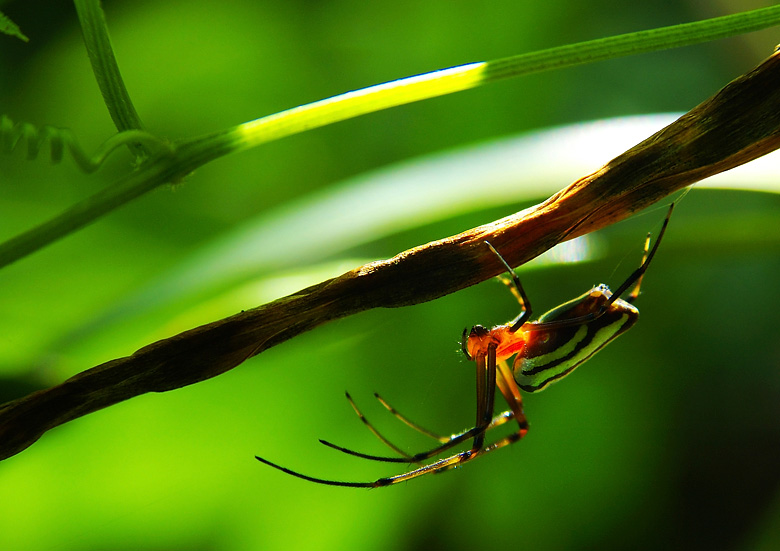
[[544, 351]]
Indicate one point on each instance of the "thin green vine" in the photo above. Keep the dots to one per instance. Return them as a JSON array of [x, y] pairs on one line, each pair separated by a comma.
[[13, 135], [106, 70]]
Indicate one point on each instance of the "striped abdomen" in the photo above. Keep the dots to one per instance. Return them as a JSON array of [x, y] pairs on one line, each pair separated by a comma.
[[552, 353]]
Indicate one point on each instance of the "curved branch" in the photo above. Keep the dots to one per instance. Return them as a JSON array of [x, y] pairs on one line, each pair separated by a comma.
[[737, 125]]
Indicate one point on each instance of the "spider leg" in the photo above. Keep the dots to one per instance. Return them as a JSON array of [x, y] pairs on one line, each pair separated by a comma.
[[418, 457], [497, 421], [634, 279], [445, 464], [638, 274], [319, 480], [513, 397], [488, 371], [405, 457], [376, 433], [410, 423], [486, 394], [508, 387], [517, 289], [635, 292], [458, 459], [486, 385], [454, 440]]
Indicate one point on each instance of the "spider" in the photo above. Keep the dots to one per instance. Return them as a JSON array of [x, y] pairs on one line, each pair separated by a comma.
[[545, 351]]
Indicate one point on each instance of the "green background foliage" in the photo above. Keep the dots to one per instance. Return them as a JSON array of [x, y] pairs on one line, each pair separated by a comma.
[[668, 438]]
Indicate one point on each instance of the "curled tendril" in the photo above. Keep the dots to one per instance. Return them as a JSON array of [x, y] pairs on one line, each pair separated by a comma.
[[59, 138]]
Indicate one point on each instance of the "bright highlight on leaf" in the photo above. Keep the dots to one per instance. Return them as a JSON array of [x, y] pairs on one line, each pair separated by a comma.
[[463, 77], [361, 102]]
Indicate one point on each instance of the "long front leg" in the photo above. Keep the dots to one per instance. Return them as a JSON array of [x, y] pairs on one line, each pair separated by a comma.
[[508, 387], [486, 393]]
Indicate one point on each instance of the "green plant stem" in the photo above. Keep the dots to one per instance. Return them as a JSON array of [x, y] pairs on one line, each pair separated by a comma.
[[191, 154], [157, 171], [464, 77], [106, 70]]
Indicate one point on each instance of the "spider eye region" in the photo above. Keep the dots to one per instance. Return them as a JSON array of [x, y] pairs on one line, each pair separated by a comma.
[[501, 339]]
